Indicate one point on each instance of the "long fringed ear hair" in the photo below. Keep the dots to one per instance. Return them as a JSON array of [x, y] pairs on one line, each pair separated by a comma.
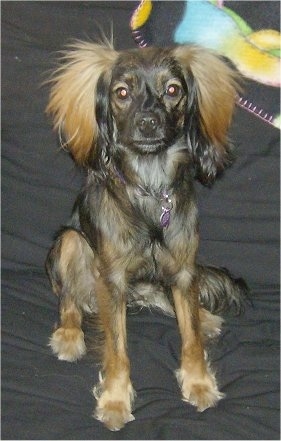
[[216, 86], [73, 97]]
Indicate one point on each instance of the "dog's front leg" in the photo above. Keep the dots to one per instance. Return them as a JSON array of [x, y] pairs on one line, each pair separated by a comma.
[[114, 393], [198, 383]]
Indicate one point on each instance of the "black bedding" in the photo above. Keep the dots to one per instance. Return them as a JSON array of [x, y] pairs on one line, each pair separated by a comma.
[[43, 398]]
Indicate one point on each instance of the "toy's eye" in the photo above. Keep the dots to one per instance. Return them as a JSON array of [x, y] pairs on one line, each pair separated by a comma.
[[122, 93], [173, 90]]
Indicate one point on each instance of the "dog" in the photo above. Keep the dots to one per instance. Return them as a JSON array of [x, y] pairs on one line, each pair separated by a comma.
[[144, 124]]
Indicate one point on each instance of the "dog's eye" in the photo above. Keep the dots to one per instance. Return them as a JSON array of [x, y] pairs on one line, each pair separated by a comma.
[[173, 90], [122, 93]]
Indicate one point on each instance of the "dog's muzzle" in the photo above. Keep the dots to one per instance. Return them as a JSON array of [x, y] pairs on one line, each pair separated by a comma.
[[149, 134], [147, 124]]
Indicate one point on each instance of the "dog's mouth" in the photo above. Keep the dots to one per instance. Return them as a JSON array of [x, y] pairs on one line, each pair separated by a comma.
[[149, 145]]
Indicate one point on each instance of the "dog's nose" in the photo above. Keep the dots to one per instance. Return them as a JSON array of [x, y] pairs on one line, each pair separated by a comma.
[[147, 124]]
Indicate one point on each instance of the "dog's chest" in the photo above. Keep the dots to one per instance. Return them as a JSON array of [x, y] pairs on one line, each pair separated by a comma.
[[152, 218]]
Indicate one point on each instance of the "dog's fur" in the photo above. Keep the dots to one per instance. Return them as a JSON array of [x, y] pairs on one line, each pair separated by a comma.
[[144, 123]]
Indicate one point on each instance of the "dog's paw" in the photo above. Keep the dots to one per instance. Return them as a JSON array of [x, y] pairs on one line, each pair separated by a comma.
[[114, 414], [200, 392], [114, 408], [68, 343], [210, 324]]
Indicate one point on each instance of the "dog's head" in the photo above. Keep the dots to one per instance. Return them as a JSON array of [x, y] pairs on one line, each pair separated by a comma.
[[144, 101]]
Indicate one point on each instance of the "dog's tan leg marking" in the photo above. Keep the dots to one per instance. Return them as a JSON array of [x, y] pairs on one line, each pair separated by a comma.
[[115, 392], [67, 342], [197, 382]]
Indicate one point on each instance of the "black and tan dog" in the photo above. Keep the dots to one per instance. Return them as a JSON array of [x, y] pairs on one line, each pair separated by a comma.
[[144, 123]]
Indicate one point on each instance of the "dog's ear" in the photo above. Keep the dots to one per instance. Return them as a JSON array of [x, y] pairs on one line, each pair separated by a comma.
[[214, 93], [73, 95]]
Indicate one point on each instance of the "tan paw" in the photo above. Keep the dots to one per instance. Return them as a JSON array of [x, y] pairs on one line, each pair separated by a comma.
[[200, 392], [114, 414], [68, 343], [210, 324], [114, 407]]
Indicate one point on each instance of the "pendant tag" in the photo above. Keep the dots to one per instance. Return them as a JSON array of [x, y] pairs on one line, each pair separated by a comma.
[[166, 211], [165, 218]]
